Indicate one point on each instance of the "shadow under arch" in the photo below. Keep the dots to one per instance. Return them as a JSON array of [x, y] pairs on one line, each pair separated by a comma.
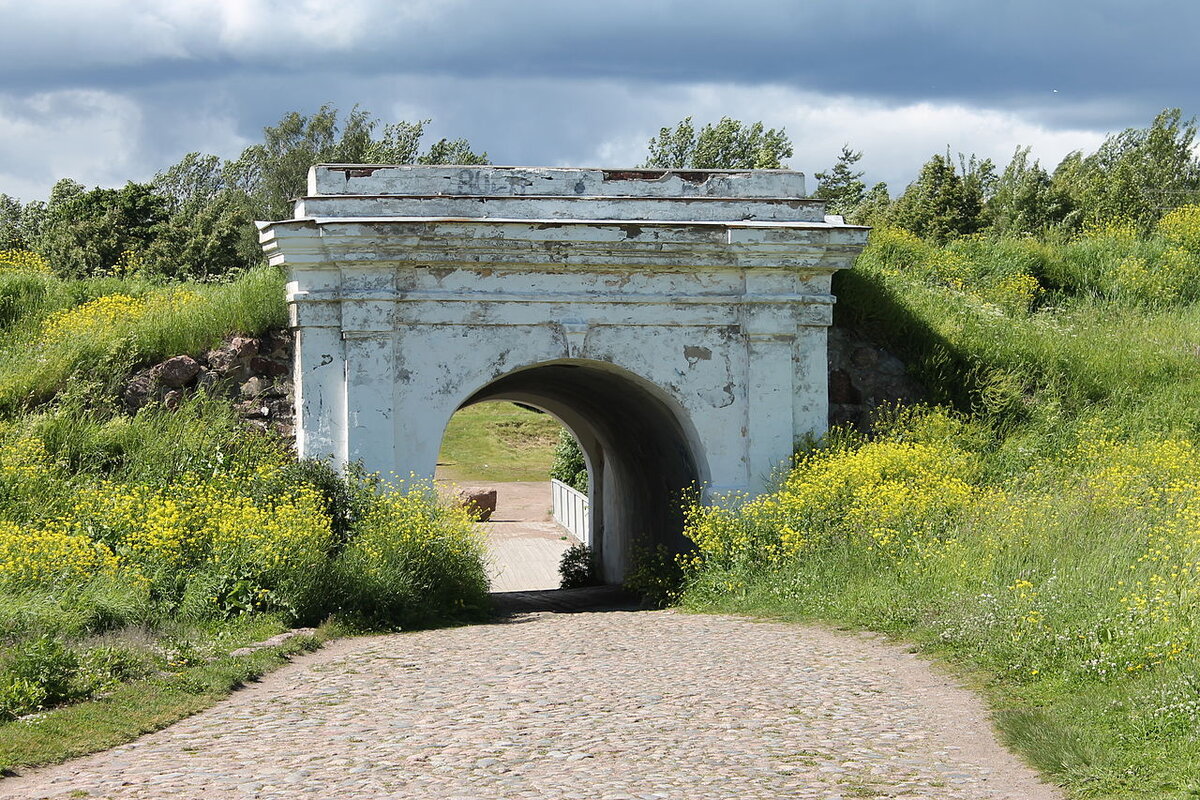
[[641, 450]]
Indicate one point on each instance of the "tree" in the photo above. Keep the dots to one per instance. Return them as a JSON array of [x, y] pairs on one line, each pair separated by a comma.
[[192, 183], [213, 205], [840, 185], [274, 173], [569, 465], [1025, 201], [875, 208], [211, 240], [939, 205], [210, 232], [452, 151], [195, 220], [1136, 175], [12, 236], [88, 233], [727, 145]]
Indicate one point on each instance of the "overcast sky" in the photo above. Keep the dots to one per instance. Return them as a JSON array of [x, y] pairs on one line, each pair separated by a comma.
[[105, 91]]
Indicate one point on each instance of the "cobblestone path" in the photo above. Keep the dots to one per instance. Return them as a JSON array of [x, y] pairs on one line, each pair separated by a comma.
[[585, 705]]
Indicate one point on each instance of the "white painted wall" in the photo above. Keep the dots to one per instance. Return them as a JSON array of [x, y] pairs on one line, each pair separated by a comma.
[[719, 320]]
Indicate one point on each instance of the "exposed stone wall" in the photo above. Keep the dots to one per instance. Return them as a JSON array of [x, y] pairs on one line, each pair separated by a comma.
[[254, 373], [864, 376]]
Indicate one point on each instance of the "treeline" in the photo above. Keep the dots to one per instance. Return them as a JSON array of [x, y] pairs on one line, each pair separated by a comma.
[[193, 221], [1134, 178]]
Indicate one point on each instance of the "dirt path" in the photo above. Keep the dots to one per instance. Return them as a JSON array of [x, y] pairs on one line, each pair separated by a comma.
[[586, 705]]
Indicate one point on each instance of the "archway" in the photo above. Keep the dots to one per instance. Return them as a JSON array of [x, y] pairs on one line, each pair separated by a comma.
[[639, 450], [674, 320]]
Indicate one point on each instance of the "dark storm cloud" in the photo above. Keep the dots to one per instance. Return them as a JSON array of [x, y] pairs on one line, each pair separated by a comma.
[[1010, 54], [547, 81]]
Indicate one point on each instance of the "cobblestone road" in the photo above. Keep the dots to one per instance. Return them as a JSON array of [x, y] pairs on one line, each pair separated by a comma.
[[585, 705]]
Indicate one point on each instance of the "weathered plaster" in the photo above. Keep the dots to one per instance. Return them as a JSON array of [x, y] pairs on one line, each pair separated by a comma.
[[675, 321]]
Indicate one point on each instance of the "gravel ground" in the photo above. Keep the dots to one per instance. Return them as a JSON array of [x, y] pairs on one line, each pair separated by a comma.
[[580, 705]]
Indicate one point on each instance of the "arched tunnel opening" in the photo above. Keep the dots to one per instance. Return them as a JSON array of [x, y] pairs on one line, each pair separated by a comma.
[[639, 453]]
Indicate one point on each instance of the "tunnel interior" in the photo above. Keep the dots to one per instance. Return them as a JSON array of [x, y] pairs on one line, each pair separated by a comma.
[[639, 454]]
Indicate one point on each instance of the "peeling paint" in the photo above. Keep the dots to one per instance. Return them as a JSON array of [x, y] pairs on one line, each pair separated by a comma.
[[461, 277], [695, 354]]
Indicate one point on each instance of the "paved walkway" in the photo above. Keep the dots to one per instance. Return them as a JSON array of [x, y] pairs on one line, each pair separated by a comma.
[[583, 705], [524, 542]]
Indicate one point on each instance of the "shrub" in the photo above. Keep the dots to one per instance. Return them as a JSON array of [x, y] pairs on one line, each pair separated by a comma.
[[41, 671], [569, 465], [656, 574], [577, 567], [413, 561]]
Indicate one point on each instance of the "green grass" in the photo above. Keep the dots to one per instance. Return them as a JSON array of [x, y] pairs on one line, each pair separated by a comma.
[[140, 707], [498, 442], [134, 544], [1060, 572], [94, 358]]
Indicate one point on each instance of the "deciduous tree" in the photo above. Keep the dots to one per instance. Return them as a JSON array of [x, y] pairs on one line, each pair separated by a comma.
[[729, 144]]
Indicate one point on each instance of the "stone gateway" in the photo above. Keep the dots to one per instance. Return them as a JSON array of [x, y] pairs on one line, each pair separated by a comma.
[[675, 321]]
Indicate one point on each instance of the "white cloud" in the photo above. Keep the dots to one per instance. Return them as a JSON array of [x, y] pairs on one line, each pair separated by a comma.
[[101, 139], [77, 35], [106, 138], [895, 140], [91, 136]]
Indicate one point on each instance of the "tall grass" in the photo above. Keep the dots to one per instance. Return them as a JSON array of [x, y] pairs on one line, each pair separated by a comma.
[[1041, 525], [131, 544], [55, 332]]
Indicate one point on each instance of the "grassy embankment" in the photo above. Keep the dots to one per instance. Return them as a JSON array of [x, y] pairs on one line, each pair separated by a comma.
[[136, 552], [1040, 526], [498, 442]]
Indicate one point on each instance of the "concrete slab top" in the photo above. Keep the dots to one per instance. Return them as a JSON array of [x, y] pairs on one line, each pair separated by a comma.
[[410, 180]]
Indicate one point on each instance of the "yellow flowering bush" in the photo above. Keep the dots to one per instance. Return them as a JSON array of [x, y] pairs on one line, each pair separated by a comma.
[[93, 318], [886, 496], [23, 261], [50, 556], [111, 314], [251, 538], [414, 559], [1015, 293], [1181, 226]]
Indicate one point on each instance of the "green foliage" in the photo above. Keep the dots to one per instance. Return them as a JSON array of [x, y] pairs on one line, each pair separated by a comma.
[[112, 524], [90, 334], [345, 498], [452, 151], [941, 204], [1135, 176], [127, 710], [413, 562], [275, 172], [98, 232], [1044, 533], [569, 465], [729, 144], [577, 568], [202, 242], [875, 207], [194, 221], [12, 235], [656, 574], [1025, 200], [840, 185]]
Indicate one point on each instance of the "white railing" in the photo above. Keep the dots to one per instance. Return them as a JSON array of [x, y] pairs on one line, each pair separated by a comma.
[[571, 510]]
